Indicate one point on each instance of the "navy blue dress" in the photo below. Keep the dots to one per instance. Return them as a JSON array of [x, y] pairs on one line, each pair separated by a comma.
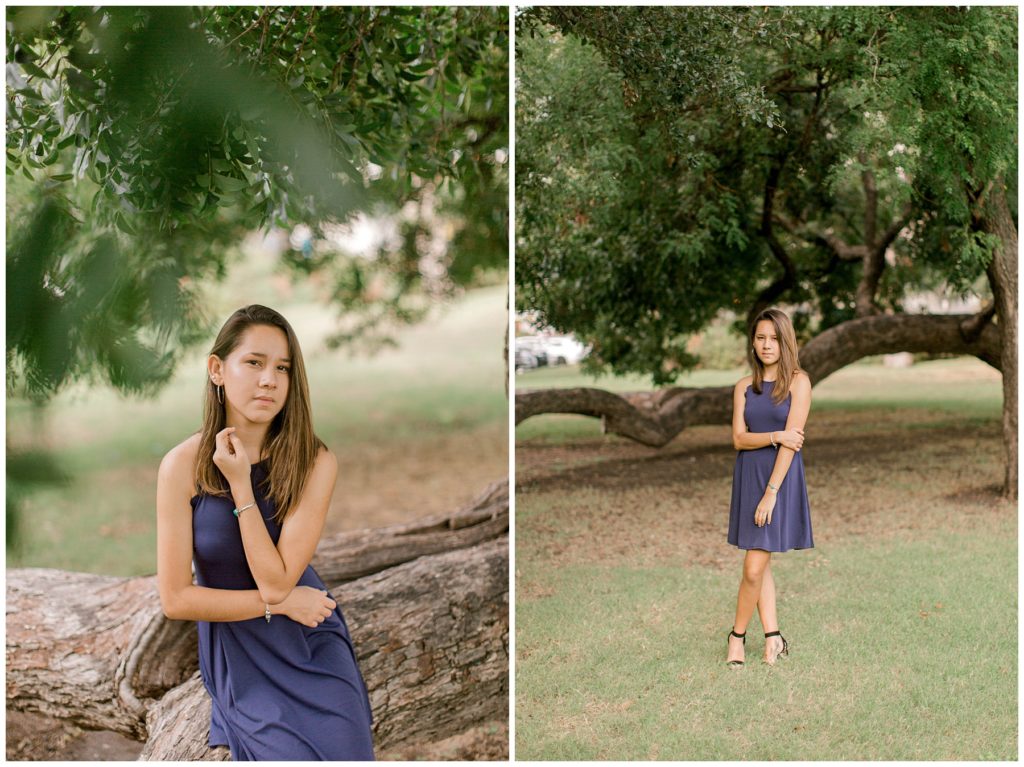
[[280, 690], [790, 527]]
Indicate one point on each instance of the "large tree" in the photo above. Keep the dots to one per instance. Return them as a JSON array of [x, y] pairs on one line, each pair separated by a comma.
[[675, 162], [142, 142]]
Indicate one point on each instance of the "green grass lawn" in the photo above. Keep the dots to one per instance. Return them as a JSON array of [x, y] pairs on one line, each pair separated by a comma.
[[898, 650], [446, 377], [901, 621]]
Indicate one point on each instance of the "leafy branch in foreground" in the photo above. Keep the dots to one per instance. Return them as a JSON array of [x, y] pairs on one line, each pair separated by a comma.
[[143, 142]]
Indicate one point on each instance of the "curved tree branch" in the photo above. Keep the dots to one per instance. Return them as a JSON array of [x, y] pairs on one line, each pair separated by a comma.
[[655, 418], [839, 247], [972, 328]]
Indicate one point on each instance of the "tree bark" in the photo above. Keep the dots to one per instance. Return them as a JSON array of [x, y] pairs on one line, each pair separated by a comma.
[[1002, 276], [655, 418], [430, 628], [347, 556]]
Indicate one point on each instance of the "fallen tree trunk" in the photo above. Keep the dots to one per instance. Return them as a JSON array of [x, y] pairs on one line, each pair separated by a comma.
[[352, 555], [655, 418], [430, 629]]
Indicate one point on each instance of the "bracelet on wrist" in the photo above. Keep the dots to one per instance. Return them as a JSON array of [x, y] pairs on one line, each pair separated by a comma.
[[771, 436], [773, 488], [237, 512]]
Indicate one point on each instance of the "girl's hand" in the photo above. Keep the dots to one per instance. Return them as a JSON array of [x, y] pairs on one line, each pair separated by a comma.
[[307, 606], [763, 513], [230, 457], [793, 439]]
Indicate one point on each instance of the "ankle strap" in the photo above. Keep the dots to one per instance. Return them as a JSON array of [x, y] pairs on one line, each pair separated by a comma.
[[738, 636], [773, 634]]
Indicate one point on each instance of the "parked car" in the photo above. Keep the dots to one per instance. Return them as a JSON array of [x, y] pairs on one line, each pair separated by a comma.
[[553, 350], [535, 346], [525, 360], [564, 350]]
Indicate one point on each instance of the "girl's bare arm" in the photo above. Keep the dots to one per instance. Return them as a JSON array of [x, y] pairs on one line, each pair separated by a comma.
[[179, 597], [276, 569], [799, 408], [749, 440]]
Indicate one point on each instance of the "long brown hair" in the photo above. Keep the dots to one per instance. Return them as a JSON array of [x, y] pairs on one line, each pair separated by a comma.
[[789, 361], [290, 444]]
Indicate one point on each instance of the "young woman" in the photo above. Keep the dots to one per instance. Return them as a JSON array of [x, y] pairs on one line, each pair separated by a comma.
[[245, 499], [769, 510]]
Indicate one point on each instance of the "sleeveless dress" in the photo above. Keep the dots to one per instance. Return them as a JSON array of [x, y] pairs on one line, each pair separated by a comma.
[[790, 527], [280, 690]]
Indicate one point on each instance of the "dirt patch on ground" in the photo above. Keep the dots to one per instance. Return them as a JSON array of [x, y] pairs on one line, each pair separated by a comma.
[[397, 482], [869, 473]]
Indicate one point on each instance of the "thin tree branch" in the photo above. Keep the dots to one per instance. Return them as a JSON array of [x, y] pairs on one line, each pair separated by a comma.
[[248, 29], [870, 200], [302, 45], [788, 279], [896, 226]]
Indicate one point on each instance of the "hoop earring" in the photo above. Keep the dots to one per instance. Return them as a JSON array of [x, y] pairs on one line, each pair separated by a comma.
[[220, 395]]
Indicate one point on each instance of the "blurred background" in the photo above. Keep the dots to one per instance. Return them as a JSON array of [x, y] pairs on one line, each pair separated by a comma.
[[165, 166], [419, 428]]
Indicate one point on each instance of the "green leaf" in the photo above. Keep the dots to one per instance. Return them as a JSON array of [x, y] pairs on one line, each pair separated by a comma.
[[32, 70], [229, 183], [122, 223]]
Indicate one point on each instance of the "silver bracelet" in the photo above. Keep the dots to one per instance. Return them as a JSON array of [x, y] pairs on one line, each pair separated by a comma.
[[771, 436], [247, 506], [266, 614]]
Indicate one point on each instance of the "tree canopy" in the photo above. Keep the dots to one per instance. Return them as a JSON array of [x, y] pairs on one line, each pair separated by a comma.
[[143, 141], [830, 159], [675, 162]]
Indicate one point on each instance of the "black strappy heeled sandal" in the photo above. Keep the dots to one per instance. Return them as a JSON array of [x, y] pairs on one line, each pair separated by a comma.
[[743, 636], [785, 645]]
